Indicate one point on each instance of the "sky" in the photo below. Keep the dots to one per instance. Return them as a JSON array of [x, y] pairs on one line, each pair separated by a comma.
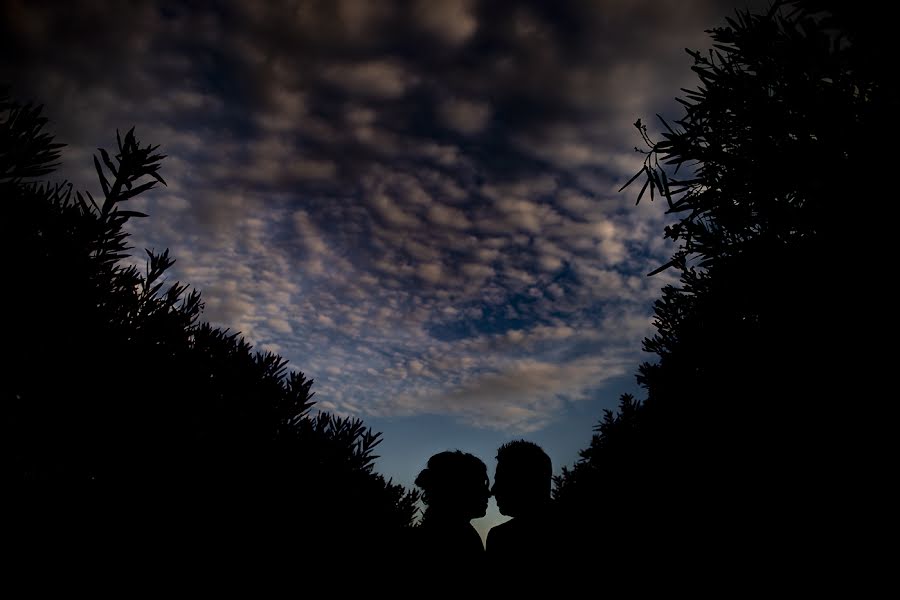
[[416, 203]]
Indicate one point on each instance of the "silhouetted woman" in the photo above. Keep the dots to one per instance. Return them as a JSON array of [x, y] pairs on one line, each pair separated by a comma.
[[456, 490]]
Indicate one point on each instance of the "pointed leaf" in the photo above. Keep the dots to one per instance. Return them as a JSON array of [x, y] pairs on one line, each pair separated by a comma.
[[81, 202], [665, 187], [669, 264], [94, 202], [158, 177], [665, 124], [103, 182], [108, 162], [630, 181], [134, 192], [643, 189]]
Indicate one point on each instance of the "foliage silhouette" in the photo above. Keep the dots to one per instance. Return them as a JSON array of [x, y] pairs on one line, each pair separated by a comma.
[[757, 346], [113, 382]]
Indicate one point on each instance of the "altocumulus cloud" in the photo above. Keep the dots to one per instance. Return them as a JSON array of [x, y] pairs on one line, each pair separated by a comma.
[[413, 202]]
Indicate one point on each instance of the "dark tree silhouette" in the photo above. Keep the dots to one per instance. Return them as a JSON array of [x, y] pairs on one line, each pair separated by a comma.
[[601, 464], [111, 382], [745, 434]]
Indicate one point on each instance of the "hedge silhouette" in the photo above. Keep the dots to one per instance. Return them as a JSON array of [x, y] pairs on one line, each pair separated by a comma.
[[747, 437], [113, 383]]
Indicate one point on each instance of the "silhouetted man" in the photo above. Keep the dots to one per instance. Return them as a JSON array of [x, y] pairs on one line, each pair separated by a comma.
[[523, 550]]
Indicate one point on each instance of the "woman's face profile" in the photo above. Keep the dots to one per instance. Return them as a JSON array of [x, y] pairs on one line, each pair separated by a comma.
[[468, 496], [479, 494]]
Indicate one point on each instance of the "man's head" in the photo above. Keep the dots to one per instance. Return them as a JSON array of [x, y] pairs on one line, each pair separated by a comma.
[[522, 480]]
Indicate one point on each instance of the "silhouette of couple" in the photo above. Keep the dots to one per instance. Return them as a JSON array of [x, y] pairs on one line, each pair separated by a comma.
[[447, 551]]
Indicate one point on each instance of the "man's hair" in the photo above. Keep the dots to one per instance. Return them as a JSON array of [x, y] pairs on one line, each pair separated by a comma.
[[526, 458]]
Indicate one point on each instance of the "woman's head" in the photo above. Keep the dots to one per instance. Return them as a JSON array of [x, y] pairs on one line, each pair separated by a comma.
[[456, 483]]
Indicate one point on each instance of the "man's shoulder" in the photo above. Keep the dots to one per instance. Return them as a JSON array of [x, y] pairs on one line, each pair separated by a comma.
[[503, 528], [498, 539], [504, 533]]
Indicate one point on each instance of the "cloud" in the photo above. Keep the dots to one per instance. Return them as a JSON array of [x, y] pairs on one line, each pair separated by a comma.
[[384, 79], [275, 159], [466, 116], [448, 216], [520, 398], [280, 326], [392, 213], [414, 202], [285, 112], [451, 21]]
